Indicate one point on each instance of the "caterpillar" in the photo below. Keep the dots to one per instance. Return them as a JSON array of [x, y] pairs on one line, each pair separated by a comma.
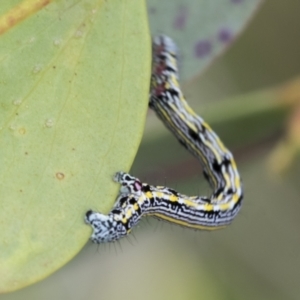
[[137, 199]]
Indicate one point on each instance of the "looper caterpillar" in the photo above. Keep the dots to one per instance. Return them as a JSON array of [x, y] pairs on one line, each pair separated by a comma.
[[137, 199]]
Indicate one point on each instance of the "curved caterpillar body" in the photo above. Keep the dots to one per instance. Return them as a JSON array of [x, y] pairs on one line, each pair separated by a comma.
[[137, 199]]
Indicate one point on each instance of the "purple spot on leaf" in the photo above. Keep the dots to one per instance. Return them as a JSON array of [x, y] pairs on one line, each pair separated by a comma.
[[181, 17], [225, 35], [236, 1], [152, 10], [202, 48]]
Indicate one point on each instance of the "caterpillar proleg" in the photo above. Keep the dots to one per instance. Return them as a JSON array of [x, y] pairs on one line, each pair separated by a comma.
[[137, 199]]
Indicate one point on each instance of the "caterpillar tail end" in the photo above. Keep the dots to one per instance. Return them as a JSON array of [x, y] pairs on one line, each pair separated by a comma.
[[103, 227], [109, 228]]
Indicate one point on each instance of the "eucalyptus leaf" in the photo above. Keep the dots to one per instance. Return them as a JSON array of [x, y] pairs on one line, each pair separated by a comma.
[[74, 82]]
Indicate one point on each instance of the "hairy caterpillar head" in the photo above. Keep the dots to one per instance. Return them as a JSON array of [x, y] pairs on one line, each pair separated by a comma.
[[164, 43]]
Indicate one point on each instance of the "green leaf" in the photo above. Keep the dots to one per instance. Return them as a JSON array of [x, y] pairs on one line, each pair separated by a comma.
[[201, 29], [74, 81]]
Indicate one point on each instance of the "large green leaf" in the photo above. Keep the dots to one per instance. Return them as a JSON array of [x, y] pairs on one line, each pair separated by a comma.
[[202, 29], [74, 81]]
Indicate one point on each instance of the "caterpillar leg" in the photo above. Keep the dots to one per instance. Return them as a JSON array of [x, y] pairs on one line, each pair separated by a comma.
[[129, 184]]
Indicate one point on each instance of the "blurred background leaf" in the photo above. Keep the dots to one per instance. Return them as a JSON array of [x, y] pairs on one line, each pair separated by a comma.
[[202, 29]]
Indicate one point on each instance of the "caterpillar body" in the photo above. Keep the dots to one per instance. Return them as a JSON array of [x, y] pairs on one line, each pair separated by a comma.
[[137, 199]]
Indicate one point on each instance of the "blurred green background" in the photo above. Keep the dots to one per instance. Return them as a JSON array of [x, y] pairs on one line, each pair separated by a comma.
[[258, 256]]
